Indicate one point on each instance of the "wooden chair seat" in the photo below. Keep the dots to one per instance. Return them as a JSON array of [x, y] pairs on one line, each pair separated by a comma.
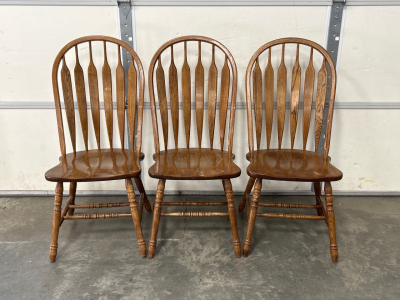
[[291, 165], [90, 166], [194, 164]]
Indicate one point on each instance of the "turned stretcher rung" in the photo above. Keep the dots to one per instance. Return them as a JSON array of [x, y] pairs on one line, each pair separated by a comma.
[[100, 205], [321, 205], [287, 205], [65, 210], [195, 203], [290, 216], [194, 214], [97, 216]]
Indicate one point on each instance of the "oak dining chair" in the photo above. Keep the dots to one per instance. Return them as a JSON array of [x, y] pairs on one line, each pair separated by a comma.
[[197, 162], [117, 161], [290, 164]]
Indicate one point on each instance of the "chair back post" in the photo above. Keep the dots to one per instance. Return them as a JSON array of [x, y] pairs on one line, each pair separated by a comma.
[[186, 89], [233, 103], [94, 94], [153, 102], [140, 111], [326, 59], [249, 103], [331, 105], [57, 103]]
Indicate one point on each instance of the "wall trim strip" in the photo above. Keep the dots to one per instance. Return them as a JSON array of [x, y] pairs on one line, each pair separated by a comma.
[[239, 105], [196, 3], [59, 2], [230, 3]]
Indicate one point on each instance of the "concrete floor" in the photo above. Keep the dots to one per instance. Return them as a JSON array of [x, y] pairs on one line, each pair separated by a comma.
[[99, 259]]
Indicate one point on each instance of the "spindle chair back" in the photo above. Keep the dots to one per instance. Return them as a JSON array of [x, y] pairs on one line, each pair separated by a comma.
[[92, 82], [226, 92], [256, 102], [290, 164], [110, 163], [193, 162]]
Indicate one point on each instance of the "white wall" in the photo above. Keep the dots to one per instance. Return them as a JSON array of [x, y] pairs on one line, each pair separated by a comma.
[[365, 142], [30, 39], [369, 60], [362, 144], [32, 36], [242, 30]]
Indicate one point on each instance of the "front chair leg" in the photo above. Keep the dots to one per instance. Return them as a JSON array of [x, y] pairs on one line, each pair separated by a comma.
[[249, 186], [330, 220], [56, 221], [252, 216], [156, 217], [142, 191], [232, 216], [135, 216], [72, 193]]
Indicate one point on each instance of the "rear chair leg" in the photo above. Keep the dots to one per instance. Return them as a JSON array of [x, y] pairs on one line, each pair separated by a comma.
[[330, 220], [232, 216], [135, 216], [248, 207], [252, 216], [141, 207], [56, 221], [317, 190], [72, 192], [142, 191], [156, 217], [249, 186]]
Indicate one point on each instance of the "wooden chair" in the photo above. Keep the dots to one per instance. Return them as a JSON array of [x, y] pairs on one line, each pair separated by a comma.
[[98, 164], [193, 163], [290, 164]]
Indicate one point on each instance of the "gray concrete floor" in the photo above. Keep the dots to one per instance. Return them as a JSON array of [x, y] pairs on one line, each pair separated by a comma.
[[99, 259]]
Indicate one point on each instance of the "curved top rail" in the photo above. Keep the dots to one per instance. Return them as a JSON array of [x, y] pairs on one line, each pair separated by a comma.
[[193, 38], [99, 38], [292, 41]]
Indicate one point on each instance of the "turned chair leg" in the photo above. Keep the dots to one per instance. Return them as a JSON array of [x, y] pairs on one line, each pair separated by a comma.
[[56, 221], [141, 207], [135, 216], [330, 220], [72, 193], [232, 216], [142, 191], [249, 186], [317, 190], [156, 217], [252, 216], [248, 206]]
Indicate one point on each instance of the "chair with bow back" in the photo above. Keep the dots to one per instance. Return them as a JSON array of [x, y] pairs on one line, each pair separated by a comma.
[[290, 164], [193, 163], [99, 164]]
